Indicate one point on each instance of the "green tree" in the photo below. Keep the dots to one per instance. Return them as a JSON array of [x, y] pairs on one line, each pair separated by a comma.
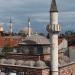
[[42, 34], [7, 49]]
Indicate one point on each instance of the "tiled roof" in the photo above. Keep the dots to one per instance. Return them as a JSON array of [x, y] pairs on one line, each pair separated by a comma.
[[11, 41]]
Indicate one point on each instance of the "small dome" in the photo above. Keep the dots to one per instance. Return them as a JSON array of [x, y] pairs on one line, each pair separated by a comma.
[[36, 39], [25, 30], [3, 61], [29, 63], [40, 64], [19, 62], [11, 61]]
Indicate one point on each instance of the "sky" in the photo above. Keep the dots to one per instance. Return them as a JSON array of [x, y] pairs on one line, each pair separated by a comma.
[[38, 11]]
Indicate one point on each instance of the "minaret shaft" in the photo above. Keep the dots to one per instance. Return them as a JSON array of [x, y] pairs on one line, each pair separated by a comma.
[[54, 31], [53, 18], [10, 27], [54, 54], [54, 42]]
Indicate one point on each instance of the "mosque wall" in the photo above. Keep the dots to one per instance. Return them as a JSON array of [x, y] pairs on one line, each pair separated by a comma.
[[37, 71], [68, 69], [25, 71]]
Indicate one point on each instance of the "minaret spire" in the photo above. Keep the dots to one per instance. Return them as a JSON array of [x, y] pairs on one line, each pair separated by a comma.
[[10, 26], [29, 25], [53, 6]]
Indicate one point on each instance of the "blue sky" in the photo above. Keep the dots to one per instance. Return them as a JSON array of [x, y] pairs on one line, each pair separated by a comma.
[[38, 10]]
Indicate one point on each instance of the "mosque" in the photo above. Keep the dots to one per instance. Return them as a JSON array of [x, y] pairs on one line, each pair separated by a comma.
[[37, 55]]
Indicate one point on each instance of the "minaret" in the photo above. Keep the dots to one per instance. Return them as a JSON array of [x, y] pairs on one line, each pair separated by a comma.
[[10, 26], [54, 28], [29, 27]]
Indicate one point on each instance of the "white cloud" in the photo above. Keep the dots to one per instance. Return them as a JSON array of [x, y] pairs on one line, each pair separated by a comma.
[[63, 16], [22, 2], [67, 16], [37, 9]]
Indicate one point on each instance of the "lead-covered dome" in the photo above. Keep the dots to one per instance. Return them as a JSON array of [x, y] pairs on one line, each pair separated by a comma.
[[41, 64], [30, 63], [25, 30], [19, 62], [36, 39]]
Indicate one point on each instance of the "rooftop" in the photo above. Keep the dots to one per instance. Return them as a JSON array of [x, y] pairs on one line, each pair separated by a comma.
[[35, 39]]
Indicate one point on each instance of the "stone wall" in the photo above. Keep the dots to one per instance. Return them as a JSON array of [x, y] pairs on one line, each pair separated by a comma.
[[25, 70], [37, 72], [46, 72], [68, 69], [33, 72]]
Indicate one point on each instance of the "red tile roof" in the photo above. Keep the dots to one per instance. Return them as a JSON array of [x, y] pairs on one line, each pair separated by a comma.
[[11, 41]]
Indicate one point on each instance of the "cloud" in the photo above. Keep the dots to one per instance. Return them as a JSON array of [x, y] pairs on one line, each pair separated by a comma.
[[63, 16], [67, 16], [20, 10]]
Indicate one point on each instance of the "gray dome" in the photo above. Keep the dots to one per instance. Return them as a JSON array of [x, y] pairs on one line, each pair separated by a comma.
[[11, 61], [40, 64], [3, 61], [36, 39], [29, 63], [19, 62]]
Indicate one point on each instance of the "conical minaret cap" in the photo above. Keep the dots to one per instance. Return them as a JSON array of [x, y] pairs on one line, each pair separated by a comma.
[[53, 6]]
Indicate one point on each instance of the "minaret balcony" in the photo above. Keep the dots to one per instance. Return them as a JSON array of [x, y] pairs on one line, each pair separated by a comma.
[[55, 28]]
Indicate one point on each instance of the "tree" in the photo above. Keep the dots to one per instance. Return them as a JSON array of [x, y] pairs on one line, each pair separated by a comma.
[[7, 49], [22, 33], [42, 34]]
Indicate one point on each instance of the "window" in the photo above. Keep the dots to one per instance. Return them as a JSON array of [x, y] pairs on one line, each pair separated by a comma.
[[39, 49]]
